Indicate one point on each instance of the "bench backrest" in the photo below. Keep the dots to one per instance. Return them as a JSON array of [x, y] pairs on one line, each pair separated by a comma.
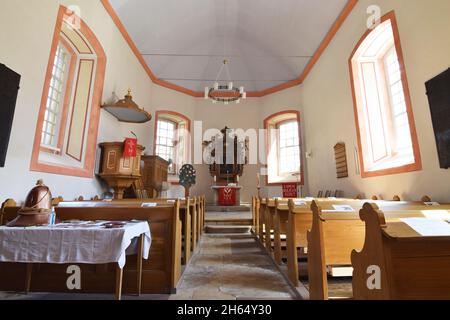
[[407, 264], [334, 235]]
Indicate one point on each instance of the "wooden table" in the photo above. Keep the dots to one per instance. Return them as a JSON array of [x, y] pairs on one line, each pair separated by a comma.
[[45, 252]]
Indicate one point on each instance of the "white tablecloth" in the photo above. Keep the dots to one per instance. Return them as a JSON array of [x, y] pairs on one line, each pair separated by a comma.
[[78, 244]]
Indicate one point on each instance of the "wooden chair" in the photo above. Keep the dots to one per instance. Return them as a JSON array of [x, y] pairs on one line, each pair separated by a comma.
[[320, 194], [426, 199], [411, 266], [396, 198]]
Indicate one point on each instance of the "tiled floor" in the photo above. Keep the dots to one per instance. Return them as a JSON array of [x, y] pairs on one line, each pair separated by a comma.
[[232, 267]]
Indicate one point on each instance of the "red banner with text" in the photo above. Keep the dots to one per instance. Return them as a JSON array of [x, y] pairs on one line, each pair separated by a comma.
[[290, 190], [130, 147]]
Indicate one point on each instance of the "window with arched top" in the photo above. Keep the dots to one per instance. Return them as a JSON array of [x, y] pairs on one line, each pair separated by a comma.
[[172, 139], [283, 148], [386, 132], [66, 131]]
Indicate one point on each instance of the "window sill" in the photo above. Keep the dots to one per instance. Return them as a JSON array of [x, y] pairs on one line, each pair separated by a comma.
[[279, 180], [50, 150], [417, 166]]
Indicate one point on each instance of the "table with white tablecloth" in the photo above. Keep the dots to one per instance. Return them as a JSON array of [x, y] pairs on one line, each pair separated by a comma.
[[77, 243]]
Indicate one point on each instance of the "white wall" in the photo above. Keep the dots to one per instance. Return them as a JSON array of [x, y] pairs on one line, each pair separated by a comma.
[[424, 28], [245, 115], [25, 48], [324, 100]]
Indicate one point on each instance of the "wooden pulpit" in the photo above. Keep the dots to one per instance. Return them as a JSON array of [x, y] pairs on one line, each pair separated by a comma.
[[118, 171]]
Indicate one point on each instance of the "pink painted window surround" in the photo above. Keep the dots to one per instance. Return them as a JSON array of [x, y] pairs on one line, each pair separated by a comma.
[[67, 125], [387, 139], [283, 148], [172, 139]]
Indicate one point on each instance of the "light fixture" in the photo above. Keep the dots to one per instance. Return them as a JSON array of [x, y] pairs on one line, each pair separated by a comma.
[[225, 93]]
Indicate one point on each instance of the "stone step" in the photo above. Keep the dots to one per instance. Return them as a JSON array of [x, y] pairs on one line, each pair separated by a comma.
[[229, 222], [211, 208], [223, 229]]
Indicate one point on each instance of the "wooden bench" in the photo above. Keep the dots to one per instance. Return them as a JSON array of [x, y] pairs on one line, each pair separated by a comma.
[[7, 215], [161, 272], [261, 222], [188, 212], [268, 224], [334, 235], [411, 266]]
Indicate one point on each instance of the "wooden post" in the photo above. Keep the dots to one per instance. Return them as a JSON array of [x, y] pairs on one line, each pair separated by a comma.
[[29, 273], [140, 256], [187, 232], [318, 285], [292, 247], [194, 225], [119, 280]]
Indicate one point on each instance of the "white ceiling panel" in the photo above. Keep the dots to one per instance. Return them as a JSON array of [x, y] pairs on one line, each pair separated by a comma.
[[267, 42]]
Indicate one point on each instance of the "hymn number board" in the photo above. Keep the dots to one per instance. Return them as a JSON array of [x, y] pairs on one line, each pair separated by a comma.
[[341, 160]]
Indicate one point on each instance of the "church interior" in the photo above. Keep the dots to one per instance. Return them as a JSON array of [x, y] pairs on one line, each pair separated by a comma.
[[225, 150]]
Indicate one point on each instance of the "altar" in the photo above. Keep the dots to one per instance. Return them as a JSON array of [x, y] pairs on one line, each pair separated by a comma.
[[227, 195]]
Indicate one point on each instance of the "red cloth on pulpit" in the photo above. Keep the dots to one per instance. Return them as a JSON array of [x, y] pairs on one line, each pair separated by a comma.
[[227, 196], [130, 147], [290, 190]]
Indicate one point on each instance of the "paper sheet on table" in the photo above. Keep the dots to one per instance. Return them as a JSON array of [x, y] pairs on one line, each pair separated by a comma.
[[436, 214], [428, 227], [340, 208], [432, 203], [149, 205], [300, 203]]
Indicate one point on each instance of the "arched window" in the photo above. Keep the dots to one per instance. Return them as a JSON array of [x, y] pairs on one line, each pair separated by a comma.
[[385, 124], [283, 145], [66, 132], [172, 139]]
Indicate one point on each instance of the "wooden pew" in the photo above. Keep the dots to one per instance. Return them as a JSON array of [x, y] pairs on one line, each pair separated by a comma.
[[6, 215], [334, 235], [161, 272], [261, 214], [411, 266], [268, 224], [200, 214], [280, 221], [255, 215], [187, 211], [298, 224]]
